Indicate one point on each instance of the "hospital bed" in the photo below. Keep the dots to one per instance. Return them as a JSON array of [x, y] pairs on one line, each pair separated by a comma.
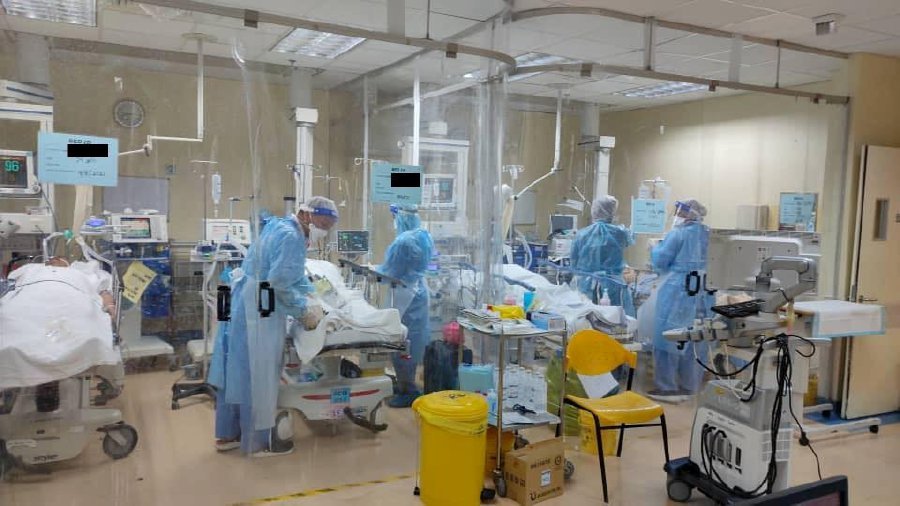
[[50, 356], [317, 379]]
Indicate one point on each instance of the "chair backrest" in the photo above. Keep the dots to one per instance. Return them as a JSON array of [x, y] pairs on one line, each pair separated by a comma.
[[591, 352]]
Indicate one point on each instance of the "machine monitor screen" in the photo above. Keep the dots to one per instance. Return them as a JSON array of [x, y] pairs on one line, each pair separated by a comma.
[[439, 191], [353, 241], [135, 228], [13, 171], [563, 222]]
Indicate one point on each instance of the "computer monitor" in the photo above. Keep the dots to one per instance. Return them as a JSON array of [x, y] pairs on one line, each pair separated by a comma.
[[828, 492], [563, 222], [353, 241]]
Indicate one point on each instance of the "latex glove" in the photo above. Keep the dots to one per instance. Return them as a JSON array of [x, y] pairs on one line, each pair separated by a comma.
[[313, 316]]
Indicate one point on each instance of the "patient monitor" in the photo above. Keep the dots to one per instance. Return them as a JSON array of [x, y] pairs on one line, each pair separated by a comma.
[[353, 241], [17, 176]]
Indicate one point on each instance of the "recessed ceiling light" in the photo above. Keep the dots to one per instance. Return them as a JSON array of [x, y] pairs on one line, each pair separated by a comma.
[[662, 90], [76, 12], [319, 44]]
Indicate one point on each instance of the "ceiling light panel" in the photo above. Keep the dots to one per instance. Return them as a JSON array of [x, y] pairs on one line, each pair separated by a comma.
[[76, 12], [666, 89], [319, 44]]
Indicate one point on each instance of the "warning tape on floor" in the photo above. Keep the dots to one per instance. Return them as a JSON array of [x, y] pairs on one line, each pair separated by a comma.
[[325, 490]]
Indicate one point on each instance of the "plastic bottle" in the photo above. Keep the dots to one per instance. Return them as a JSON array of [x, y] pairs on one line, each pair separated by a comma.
[[604, 301], [492, 402], [527, 389], [540, 394]]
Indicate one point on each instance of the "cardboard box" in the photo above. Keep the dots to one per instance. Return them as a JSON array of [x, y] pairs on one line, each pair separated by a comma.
[[535, 473]]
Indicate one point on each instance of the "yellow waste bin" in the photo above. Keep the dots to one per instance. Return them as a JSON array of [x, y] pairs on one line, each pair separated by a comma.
[[589, 436], [452, 433]]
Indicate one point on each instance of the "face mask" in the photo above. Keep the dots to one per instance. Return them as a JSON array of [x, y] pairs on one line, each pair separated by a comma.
[[677, 221], [316, 234]]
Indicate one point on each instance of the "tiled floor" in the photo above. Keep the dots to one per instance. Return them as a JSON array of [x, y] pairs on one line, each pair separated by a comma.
[[175, 463]]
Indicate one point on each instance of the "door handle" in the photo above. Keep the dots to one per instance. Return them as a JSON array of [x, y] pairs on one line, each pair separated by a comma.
[[863, 299]]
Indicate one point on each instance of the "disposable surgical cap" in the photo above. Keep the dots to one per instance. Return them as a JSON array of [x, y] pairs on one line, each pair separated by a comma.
[[690, 209], [406, 217], [604, 208], [320, 206]]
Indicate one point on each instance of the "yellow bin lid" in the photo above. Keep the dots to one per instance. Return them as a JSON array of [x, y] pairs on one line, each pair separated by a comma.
[[452, 405]]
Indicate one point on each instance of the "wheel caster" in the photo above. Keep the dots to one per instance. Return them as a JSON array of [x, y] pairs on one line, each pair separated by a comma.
[[417, 492], [120, 441], [568, 470], [175, 405], [873, 429], [488, 495], [678, 490], [500, 487]]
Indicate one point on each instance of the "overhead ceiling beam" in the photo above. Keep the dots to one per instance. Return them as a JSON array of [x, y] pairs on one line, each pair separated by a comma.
[[685, 27], [587, 69]]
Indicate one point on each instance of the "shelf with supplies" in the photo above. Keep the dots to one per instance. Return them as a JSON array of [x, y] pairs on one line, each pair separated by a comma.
[[502, 333]]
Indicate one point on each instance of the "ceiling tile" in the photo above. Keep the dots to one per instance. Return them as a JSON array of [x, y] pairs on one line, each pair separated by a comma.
[[696, 45], [889, 47], [751, 54], [616, 32], [889, 25], [332, 78], [780, 25], [712, 13], [357, 13], [605, 86], [854, 11], [638, 7], [442, 26], [582, 49], [522, 41], [295, 8], [845, 36], [471, 9], [630, 59]]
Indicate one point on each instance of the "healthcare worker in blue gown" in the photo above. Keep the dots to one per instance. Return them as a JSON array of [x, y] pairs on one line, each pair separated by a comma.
[[246, 363], [407, 259], [681, 297], [599, 248]]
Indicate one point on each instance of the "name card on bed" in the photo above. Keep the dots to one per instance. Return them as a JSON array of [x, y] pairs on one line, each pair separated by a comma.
[[137, 278]]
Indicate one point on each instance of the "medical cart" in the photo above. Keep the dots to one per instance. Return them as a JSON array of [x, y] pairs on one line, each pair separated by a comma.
[[502, 338]]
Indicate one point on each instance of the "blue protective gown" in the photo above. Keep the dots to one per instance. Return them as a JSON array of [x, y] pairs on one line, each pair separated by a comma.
[[407, 259], [600, 247], [681, 252], [246, 362]]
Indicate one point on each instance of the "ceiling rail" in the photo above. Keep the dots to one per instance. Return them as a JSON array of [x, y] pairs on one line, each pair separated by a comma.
[[587, 70], [685, 27], [251, 18]]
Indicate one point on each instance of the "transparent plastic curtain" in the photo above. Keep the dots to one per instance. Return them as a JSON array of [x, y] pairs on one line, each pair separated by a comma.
[[181, 165], [455, 134]]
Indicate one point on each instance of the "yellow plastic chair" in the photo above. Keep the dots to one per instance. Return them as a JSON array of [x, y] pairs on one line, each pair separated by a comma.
[[591, 352]]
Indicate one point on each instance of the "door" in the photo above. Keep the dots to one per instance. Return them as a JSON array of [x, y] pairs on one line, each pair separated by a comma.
[[872, 380]]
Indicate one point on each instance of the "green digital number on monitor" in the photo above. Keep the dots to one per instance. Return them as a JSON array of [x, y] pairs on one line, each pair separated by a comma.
[[11, 165]]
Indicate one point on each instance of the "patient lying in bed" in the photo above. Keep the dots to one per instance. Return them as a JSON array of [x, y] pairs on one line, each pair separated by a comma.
[[55, 323]]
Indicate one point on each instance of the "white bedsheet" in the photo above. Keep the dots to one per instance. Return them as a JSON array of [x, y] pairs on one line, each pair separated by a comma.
[[52, 326], [567, 302], [350, 318]]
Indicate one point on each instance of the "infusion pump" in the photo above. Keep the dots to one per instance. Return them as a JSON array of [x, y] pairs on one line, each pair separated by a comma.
[[139, 228]]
